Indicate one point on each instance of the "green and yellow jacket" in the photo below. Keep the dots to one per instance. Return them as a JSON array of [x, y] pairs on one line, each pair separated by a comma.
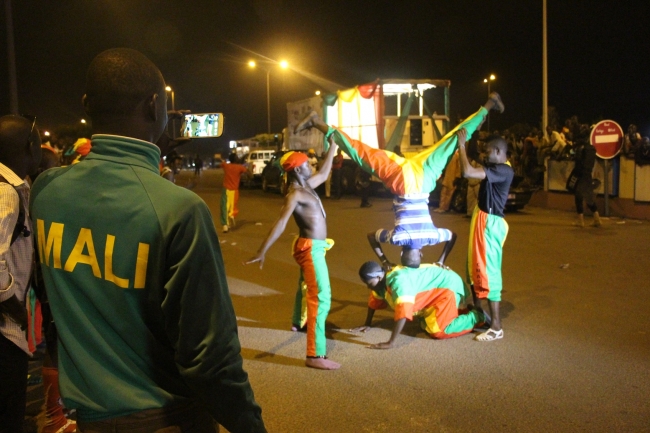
[[136, 282]]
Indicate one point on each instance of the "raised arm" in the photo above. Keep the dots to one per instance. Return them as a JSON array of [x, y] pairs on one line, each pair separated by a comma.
[[468, 170], [278, 228], [323, 173]]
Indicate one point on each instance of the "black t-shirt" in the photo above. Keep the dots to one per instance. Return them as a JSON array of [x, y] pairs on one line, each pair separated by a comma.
[[493, 192]]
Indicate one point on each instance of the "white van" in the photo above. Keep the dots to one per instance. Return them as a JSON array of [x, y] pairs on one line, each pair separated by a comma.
[[256, 161]]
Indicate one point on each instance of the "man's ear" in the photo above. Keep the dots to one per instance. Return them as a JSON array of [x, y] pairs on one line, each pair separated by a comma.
[[152, 105]]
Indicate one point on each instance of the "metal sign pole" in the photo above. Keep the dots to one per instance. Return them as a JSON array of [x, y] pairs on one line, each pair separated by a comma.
[[606, 188]]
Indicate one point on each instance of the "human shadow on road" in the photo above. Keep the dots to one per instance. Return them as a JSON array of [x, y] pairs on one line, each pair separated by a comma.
[[270, 357]]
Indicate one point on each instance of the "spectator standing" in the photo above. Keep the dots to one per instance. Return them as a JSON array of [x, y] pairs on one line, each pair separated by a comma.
[[362, 183], [585, 159], [631, 141], [173, 163], [198, 166], [337, 173], [50, 157], [20, 154], [553, 144], [139, 265], [449, 180], [232, 172], [313, 161]]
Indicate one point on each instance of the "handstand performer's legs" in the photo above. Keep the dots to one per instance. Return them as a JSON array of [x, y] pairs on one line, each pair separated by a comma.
[[435, 158], [382, 163]]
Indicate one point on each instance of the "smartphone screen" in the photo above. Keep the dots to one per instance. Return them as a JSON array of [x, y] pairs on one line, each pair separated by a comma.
[[202, 125]]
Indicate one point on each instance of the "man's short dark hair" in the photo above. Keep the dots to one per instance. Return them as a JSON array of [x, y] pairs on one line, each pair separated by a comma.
[[369, 270], [498, 142], [118, 80], [233, 158]]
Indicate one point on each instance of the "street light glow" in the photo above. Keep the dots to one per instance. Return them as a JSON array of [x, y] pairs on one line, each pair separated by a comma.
[[492, 77], [169, 89], [284, 65], [83, 120], [317, 92]]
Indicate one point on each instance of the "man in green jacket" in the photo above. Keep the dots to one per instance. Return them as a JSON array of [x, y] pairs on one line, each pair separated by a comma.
[[134, 274]]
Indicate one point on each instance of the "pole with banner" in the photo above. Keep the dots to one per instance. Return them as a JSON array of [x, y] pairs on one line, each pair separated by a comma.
[[607, 137]]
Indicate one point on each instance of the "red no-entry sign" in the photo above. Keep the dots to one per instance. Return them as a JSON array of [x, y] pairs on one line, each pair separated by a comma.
[[607, 138]]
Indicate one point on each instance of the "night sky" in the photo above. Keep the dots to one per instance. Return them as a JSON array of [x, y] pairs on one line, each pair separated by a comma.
[[596, 52]]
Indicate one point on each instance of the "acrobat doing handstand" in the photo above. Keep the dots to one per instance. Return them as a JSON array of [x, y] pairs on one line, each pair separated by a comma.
[[410, 180]]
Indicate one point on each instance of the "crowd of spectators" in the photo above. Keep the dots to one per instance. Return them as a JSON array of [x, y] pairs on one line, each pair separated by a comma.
[[529, 148]]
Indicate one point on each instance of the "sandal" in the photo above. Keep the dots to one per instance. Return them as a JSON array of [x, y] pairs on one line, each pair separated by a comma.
[[490, 335]]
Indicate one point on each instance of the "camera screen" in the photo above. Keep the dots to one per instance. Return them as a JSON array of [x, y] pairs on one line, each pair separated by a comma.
[[202, 125]]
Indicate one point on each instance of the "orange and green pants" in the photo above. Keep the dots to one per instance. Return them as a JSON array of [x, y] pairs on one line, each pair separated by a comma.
[[229, 200], [486, 238], [313, 297]]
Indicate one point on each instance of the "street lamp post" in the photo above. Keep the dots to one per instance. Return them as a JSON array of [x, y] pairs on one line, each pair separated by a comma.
[[488, 80], [268, 101], [283, 64], [169, 89]]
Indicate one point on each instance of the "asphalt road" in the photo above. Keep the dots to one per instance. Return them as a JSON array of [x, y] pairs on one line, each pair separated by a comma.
[[575, 356]]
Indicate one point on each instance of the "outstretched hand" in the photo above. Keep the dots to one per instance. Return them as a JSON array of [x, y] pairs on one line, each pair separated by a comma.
[[462, 137], [258, 258], [386, 345], [177, 114]]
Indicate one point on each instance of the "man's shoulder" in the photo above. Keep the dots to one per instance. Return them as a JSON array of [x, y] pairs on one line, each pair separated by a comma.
[[45, 178]]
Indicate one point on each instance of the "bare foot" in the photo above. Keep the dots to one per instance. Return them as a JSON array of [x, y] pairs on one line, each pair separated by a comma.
[[495, 102], [311, 120], [322, 364], [297, 328]]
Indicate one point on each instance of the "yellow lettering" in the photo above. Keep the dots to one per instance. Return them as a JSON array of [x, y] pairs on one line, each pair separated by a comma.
[[84, 240], [141, 266], [54, 239], [108, 264]]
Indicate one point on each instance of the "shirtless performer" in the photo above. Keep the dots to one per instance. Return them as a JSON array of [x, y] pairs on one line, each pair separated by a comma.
[[308, 249], [410, 179]]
